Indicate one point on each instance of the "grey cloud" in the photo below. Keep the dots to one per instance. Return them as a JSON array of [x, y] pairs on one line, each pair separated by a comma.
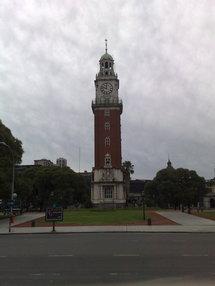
[[164, 56]]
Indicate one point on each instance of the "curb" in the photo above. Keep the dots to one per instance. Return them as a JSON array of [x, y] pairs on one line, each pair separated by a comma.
[[111, 231]]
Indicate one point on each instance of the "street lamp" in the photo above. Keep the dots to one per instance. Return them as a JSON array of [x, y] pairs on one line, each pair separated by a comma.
[[12, 184], [143, 205]]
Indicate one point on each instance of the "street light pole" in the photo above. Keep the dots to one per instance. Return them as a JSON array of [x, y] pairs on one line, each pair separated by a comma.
[[13, 177], [143, 205]]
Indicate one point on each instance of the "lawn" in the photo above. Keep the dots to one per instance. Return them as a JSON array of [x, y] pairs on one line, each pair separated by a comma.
[[101, 217], [2, 216], [206, 214]]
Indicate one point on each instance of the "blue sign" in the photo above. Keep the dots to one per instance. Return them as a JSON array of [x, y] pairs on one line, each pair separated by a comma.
[[11, 203], [54, 214]]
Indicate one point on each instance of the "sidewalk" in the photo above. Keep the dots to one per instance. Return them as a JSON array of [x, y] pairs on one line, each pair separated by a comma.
[[185, 219], [121, 228], [4, 223], [189, 223]]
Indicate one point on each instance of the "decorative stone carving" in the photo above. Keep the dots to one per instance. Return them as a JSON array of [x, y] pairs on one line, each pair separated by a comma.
[[107, 175]]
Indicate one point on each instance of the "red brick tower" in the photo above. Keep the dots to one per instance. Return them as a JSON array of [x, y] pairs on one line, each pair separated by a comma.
[[107, 184]]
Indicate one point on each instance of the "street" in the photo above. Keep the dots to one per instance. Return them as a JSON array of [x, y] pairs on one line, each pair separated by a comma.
[[107, 258]]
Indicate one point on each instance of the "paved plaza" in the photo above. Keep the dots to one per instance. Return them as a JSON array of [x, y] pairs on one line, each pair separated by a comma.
[[185, 219]]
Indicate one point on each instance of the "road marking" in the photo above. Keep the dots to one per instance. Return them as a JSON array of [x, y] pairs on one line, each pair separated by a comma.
[[120, 273], [194, 255], [61, 255], [3, 256], [126, 255], [36, 274]]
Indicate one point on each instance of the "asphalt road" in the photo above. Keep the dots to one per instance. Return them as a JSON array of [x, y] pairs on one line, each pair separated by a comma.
[[110, 259]]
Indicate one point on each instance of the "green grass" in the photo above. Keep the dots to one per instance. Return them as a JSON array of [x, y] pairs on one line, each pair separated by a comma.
[[2, 216], [101, 217], [206, 214]]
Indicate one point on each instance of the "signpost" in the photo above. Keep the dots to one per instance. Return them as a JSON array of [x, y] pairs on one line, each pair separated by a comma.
[[54, 214], [143, 204]]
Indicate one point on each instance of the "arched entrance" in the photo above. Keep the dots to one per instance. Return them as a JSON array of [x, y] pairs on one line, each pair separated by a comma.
[[212, 203]]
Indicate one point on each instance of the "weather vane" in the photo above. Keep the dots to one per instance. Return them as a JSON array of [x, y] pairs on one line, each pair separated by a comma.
[[106, 46]]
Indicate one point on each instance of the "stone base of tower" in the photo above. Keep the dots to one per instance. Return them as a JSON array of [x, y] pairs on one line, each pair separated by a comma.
[[108, 188]]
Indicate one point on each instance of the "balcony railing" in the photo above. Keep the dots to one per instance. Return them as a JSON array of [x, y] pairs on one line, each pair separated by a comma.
[[107, 101], [110, 102]]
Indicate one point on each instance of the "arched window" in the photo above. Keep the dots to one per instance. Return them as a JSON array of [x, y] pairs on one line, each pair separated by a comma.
[[107, 160], [107, 126], [109, 65], [107, 141], [106, 65]]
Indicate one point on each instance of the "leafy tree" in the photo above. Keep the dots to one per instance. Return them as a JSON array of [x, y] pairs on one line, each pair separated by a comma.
[[174, 187], [6, 160], [128, 170], [128, 167], [191, 186], [151, 194], [45, 186]]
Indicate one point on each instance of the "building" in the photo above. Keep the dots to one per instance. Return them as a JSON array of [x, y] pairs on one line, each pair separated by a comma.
[[43, 162], [22, 168], [86, 174], [61, 162], [107, 178], [169, 165], [209, 198]]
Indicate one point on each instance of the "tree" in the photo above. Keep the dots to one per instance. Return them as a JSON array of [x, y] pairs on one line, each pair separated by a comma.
[[45, 186], [151, 194], [175, 187], [128, 170], [6, 159], [191, 187]]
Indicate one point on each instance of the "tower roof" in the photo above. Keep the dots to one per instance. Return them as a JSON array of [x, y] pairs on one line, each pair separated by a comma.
[[169, 164], [106, 56]]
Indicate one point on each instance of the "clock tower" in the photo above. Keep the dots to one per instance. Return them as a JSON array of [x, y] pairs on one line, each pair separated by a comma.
[[107, 180]]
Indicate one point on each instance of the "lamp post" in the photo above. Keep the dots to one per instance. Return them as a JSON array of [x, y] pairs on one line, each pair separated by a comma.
[[12, 183], [143, 205]]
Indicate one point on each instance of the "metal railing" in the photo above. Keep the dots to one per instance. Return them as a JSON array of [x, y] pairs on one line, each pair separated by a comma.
[[107, 101]]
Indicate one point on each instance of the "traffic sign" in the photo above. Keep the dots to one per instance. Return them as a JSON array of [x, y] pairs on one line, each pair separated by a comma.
[[54, 214]]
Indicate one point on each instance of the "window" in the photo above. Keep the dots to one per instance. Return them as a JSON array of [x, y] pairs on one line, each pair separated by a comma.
[[106, 65], [107, 112], [108, 192], [107, 141], [107, 160], [107, 126]]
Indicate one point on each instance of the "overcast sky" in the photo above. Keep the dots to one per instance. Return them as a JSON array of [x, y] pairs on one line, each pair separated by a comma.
[[164, 54]]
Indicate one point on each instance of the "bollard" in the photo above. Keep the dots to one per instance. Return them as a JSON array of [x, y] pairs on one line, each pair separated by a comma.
[[149, 221], [33, 223]]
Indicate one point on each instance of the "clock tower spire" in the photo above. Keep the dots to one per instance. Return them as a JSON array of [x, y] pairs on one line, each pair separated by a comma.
[[106, 46], [108, 183]]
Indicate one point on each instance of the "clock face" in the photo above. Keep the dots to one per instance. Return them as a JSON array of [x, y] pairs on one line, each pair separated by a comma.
[[106, 88]]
